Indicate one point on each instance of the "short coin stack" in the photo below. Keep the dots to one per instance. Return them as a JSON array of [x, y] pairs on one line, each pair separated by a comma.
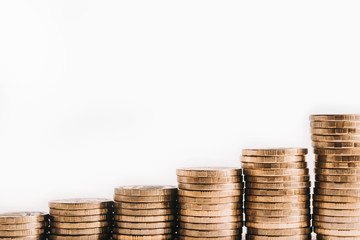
[[277, 194], [145, 212], [210, 203], [336, 142], [81, 219], [24, 225]]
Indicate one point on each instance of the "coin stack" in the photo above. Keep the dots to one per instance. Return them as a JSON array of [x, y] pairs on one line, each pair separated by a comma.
[[336, 142], [24, 225], [145, 212], [277, 194], [210, 203], [81, 219]]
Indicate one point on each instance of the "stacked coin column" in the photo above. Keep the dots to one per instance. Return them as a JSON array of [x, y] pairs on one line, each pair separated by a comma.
[[210, 203], [145, 212], [79, 219], [336, 142], [24, 225], [277, 194]]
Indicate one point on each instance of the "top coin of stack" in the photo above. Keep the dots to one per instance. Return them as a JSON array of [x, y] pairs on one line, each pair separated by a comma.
[[81, 219], [336, 142], [277, 195], [24, 225], [210, 203], [145, 212]]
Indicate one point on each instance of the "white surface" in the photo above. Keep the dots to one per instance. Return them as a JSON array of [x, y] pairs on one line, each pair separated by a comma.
[[95, 94]]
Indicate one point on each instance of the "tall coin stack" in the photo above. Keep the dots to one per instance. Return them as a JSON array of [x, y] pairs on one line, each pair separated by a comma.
[[24, 225], [277, 194], [81, 219], [336, 142], [145, 212], [210, 203]]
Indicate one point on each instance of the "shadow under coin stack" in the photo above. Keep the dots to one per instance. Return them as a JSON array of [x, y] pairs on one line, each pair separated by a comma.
[[277, 194], [336, 142], [145, 212], [210, 203], [24, 225], [81, 219]]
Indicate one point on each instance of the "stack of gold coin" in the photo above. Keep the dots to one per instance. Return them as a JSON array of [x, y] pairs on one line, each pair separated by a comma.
[[336, 142], [277, 194], [81, 219], [24, 225], [210, 203], [145, 212]]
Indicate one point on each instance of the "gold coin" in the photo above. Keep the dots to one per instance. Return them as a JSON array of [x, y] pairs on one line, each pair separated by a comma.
[[207, 213], [288, 219], [145, 199], [302, 224], [333, 185], [337, 232], [279, 232], [163, 218], [336, 145], [277, 199], [84, 231], [211, 200], [236, 237], [287, 185], [198, 193], [23, 226], [347, 151], [338, 178], [209, 172], [335, 117], [325, 237], [335, 124], [335, 131], [293, 237], [277, 206], [336, 205], [210, 207], [81, 203], [335, 219], [337, 158], [277, 213], [273, 159], [209, 180], [211, 226], [210, 234], [145, 212], [79, 219], [32, 237], [337, 171], [207, 187], [337, 164], [82, 212], [82, 225], [207, 220], [149, 237], [80, 237], [155, 205], [327, 198], [295, 165], [142, 232], [277, 179], [336, 212], [21, 233], [276, 172], [274, 152], [22, 217], [145, 225], [146, 190], [335, 138], [277, 192]]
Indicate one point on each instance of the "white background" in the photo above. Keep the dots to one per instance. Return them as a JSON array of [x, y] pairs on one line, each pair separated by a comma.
[[95, 94]]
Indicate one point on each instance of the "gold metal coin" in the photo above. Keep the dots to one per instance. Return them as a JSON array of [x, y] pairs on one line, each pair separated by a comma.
[[337, 171], [22, 217], [260, 225], [273, 159], [277, 213], [335, 117], [336, 145], [288, 219], [200, 194], [347, 151], [145, 225], [79, 219], [329, 198], [208, 220], [335, 131], [100, 224], [337, 213], [335, 124], [236, 237], [82, 212], [210, 234], [145, 199], [278, 199], [207, 213], [276, 206], [211, 226], [277, 179], [21, 233], [146, 190], [155, 205], [84, 231], [335, 138], [149, 237], [279, 232], [81, 203], [295, 165], [337, 158], [293, 237], [80, 237], [276, 172], [287, 185], [23, 226], [277, 192], [337, 164], [31, 237], [325, 237], [209, 172], [331, 219], [210, 207], [211, 200], [337, 232], [142, 232], [337, 205], [207, 187], [145, 212], [338, 178], [209, 180], [274, 152], [333, 185], [163, 218]]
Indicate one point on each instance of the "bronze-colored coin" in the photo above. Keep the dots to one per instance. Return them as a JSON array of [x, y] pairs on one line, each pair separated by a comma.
[[336, 212], [210, 180], [293, 237], [100, 224], [277, 206], [336, 145], [143, 232], [332, 219], [337, 232], [273, 159], [84, 231], [209, 172], [260, 225], [347, 151], [335, 138], [335, 124], [81, 203], [337, 171], [288, 219], [338, 178], [149, 237], [337, 164], [146, 190], [208, 220], [211, 200], [278, 199], [335, 117], [236, 237], [335, 131], [276, 172], [279, 232], [277, 179], [148, 219], [82, 212], [31, 237], [277, 192], [337, 192], [207, 213], [287, 185], [337, 158], [329, 198], [333, 185], [210, 234], [207, 187], [21, 233], [277, 213], [210, 207], [337, 205], [155, 205], [145, 212], [326, 237], [294, 165], [274, 152], [23, 226], [145, 199], [80, 237], [22, 217], [79, 219], [200, 194], [145, 225], [211, 226]]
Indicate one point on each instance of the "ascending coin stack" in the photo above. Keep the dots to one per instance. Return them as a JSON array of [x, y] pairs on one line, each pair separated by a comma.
[[210, 203], [145, 212], [277, 194], [336, 142], [24, 225], [81, 219]]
